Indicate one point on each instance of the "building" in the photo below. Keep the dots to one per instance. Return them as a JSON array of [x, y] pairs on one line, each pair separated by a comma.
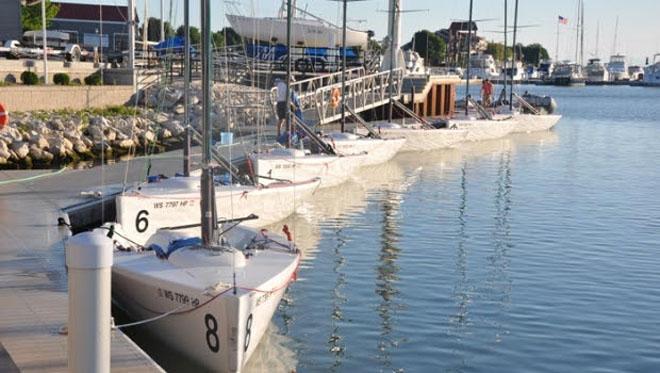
[[456, 39], [93, 25], [10, 20]]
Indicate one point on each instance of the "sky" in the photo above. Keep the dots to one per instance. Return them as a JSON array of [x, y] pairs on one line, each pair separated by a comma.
[[638, 31]]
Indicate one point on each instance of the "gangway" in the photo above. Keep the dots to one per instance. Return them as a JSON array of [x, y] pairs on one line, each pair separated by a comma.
[[320, 96]]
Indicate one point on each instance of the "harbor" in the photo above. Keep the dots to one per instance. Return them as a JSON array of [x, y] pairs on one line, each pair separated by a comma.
[[289, 193]]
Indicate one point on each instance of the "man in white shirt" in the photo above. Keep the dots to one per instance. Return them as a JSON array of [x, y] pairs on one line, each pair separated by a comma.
[[280, 85]]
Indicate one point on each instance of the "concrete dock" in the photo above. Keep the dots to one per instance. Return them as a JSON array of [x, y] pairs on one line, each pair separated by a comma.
[[33, 280]]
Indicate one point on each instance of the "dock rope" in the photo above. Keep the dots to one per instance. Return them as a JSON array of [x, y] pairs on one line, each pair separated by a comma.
[[31, 178]]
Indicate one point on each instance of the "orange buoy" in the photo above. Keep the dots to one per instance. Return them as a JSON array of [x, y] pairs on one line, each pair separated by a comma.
[[334, 98], [4, 116]]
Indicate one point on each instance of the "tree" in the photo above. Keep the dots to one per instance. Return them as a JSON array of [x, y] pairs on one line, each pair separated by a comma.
[[31, 15], [497, 51], [429, 46], [195, 36], [218, 39], [153, 32], [375, 46], [534, 53], [230, 36]]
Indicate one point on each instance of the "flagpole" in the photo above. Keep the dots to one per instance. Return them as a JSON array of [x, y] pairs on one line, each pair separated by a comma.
[[557, 44]]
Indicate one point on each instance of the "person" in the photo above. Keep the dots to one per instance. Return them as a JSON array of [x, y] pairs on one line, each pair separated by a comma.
[[486, 92], [281, 104]]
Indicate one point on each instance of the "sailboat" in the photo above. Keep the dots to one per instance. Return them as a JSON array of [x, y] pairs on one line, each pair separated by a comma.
[[209, 298], [420, 134], [375, 149], [165, 202], [293, 164], [532, 113]]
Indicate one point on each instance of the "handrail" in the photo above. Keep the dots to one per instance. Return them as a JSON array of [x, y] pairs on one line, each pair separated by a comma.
[[362, 122], [425, 123], [226, 164], [309, 132], [526, 104], [480, 109]]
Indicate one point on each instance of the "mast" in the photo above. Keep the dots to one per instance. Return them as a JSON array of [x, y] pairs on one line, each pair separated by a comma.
[[162, 20], [577, 31], [131, 40], [343, 70], [395, 6], [616, 34], [469, 47], [506, 32], [515, 53], [597, 37], [289, 14], [209, 220], [186, 87], [582, 33]]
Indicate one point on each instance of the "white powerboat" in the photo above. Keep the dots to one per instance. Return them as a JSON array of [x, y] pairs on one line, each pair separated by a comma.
[[652, 72], [595, 71], [482, 66], [568, 74], [546, 67], [636, 73], [175, 201], [617, 68], [478, 129]]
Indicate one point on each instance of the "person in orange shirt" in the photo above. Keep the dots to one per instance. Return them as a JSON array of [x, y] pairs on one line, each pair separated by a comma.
[[486, 93]]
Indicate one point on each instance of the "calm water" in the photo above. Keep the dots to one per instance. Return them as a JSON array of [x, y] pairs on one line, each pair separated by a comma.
[[534, 253]]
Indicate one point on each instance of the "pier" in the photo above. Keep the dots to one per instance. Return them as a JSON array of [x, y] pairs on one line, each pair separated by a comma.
[[32, 265]]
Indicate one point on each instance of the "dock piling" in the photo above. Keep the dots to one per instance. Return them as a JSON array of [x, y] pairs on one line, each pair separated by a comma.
[[89, 260]]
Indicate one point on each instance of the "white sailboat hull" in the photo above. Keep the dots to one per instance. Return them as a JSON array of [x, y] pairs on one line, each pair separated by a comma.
[[483, 129], [420, 139], [209, 323], [176, 201], [332, 170], [375, 151], [304, 32], [526, 123]]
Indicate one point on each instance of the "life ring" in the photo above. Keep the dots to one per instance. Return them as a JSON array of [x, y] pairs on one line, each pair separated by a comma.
[[334, 98], [4, 116]]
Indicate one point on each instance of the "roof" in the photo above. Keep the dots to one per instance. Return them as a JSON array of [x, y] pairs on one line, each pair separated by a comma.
[[92, 12], [462, 26]]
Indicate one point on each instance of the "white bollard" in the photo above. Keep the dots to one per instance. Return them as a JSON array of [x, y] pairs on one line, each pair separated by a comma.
[[89, 259]]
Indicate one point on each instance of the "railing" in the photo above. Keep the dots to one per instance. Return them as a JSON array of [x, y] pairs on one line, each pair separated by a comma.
[[362, 93]]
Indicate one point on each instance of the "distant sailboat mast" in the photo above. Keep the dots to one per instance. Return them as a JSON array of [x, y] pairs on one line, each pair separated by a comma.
[[582, 33], [616, 34]]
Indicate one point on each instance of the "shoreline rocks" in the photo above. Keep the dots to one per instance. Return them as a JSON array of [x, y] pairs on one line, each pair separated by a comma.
[[44, 139]]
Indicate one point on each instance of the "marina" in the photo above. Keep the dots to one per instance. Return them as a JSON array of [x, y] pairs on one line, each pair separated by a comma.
[[290, 194]]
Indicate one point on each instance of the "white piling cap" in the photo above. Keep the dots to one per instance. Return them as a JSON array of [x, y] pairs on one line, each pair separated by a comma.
[[89, 250]]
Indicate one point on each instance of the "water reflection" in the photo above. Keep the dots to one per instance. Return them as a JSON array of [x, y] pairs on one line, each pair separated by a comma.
[[335, 343], [387, 276]]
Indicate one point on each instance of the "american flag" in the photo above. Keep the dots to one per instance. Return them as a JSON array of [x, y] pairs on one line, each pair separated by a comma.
[[563, 21]]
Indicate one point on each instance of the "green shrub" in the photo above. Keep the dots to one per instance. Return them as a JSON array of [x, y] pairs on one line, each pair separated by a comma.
[[94, 79], [29, 78], [61, 79]]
